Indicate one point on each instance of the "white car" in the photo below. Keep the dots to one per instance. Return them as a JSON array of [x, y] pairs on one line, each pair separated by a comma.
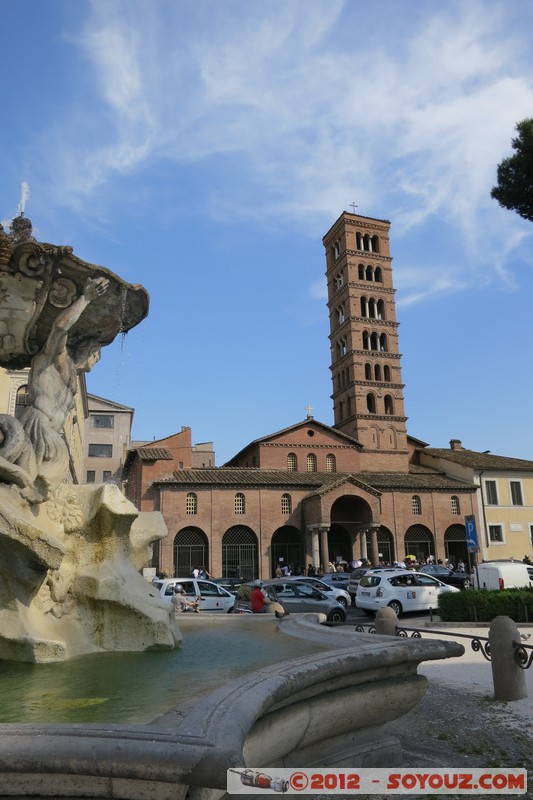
[[333, 592], [211, 597], [401, 590]]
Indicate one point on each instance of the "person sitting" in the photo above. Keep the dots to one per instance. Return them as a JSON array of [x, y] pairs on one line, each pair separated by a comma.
[[258, 599], [180, 603]]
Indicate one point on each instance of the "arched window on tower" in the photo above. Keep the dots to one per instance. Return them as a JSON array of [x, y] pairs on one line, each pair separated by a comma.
[[369, 273], [455, 505], [374, 339], [377, 372], [362, 272], [371, 403], [364, 307], [378, 275], [388, 404], [380, 309], [341, 314], [348, 406], [368, 370], [286, 504], [416, 504], [339, 280], [292, 462], [341, 348], [331, 464], [386, 373], [191, 503], [240, 503], [359, 241], [311, 462], [366, 340], [374, 244], [383, 342]]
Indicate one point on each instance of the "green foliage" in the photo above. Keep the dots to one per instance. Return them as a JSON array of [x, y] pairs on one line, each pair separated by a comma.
[[482, 605], [515, 174]]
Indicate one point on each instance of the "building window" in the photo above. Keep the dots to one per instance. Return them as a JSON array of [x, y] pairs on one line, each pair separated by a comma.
[[91, 476], [389, 404], [286, 504], [516, 493], [456, 508], [101, 450], [102, 421], [339, 280], [22, 400], [106, 476], [191, 503], [491, 493], [386, 373], [370, 403], [495, 533], [240, 505], [311, 462], [368, 372], [331, 465], [416, 505], [292, 462]]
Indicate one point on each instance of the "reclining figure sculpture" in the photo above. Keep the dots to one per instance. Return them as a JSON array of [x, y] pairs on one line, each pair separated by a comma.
[[69, 580]]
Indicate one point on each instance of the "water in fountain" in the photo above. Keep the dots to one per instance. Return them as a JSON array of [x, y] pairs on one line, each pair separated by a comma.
[[136, 687]]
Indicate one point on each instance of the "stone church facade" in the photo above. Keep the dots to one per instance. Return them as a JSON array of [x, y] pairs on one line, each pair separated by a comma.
[[313, 493]]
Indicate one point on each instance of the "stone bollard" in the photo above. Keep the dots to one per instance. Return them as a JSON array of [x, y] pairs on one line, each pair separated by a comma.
[[386, 622], [509, 679]]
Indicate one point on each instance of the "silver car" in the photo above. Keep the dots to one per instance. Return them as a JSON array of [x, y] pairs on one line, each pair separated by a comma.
[[297, 596], [334, 592]]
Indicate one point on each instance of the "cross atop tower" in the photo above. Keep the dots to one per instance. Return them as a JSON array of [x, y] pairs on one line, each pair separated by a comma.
[[353, 207], [309, 408]]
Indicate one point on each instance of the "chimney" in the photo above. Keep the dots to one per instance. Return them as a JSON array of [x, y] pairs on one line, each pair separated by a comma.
[[455, 444]]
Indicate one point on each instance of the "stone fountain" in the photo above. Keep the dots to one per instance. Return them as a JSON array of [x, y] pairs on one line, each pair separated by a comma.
[[69, 579], [70, 586]]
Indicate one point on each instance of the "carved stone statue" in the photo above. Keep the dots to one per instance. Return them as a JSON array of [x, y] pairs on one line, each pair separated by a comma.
[[69, 554]]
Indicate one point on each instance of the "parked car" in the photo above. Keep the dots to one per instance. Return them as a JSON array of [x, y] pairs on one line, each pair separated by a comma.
[[211, 597], [338, 579], [353, 581], [340, 595], [231, 584], [504, 574], [401, 590], [460, 579], [300, 597], [357, 574]]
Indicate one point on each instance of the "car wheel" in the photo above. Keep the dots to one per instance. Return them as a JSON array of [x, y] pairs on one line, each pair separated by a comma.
[[343, 601], [337, 615], [466, 584], [230, 610], [396, 607]]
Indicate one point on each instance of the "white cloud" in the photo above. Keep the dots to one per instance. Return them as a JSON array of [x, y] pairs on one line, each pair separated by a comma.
[[316, 113]]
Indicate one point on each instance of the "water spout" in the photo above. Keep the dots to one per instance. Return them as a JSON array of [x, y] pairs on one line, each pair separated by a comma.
[[24, 196]]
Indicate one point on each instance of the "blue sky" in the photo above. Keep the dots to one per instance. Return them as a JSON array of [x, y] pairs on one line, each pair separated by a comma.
[[203, 148]]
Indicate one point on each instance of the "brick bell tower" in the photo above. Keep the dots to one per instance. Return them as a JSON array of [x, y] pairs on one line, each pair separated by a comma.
[[365, 359]]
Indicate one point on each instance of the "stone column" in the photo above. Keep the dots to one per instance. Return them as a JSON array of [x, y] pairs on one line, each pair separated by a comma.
[[324, 548], [362, 536], [374, 547], [315, 547]]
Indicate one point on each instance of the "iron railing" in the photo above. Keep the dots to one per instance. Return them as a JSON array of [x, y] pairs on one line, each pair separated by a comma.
[[523, 653]]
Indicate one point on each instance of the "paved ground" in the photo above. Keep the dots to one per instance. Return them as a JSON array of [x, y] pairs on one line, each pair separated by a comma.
[[458, 723]]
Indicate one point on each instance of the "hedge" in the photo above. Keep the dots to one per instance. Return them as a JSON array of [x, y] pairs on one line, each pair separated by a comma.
[[482, 605]]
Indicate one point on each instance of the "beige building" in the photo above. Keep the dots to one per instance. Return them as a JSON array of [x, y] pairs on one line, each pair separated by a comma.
[[14, 398], [107, 437], [504, 498]]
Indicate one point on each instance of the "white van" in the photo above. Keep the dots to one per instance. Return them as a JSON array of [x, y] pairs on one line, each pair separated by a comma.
[[503, 575], [211, 597]]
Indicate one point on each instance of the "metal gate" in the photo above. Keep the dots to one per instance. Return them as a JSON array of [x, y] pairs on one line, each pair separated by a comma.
[[191, 550], [239, 553]]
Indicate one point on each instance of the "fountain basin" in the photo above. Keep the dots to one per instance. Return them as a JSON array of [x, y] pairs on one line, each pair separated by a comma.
[[273, 716]]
